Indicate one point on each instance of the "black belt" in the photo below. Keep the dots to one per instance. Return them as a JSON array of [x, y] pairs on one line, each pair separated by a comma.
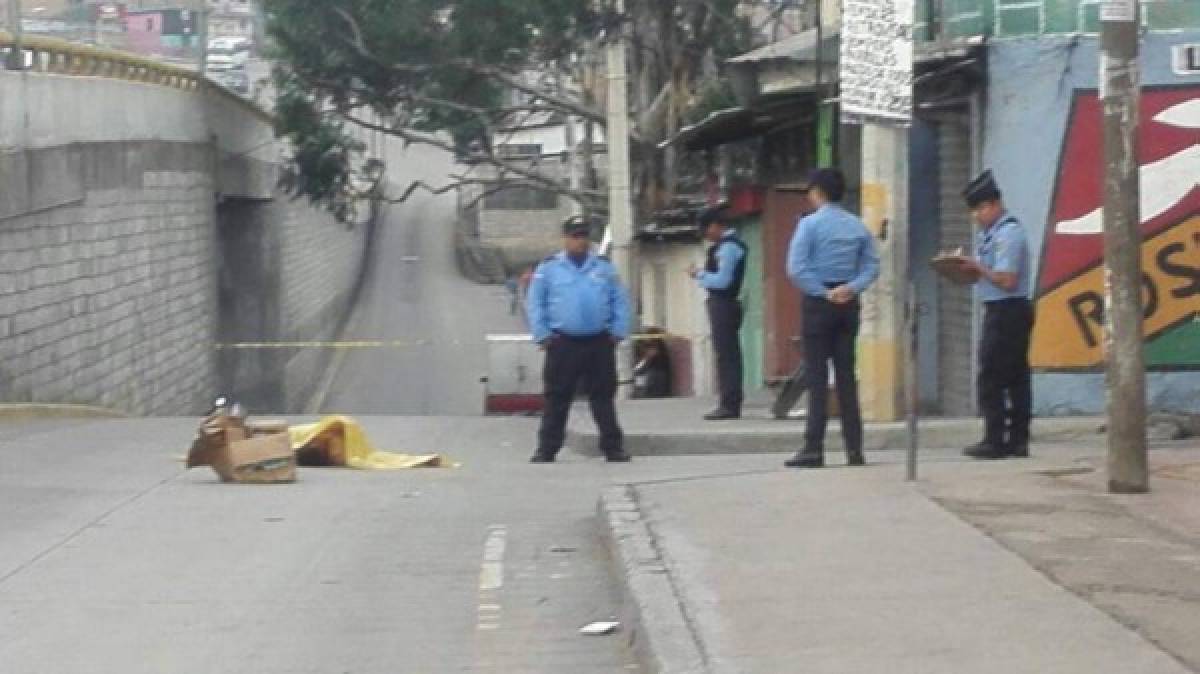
[[1007, 301], [830, 285], [582, 338]]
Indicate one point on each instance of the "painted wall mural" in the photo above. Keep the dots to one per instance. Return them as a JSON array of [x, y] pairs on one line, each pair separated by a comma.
[[1070, 290]]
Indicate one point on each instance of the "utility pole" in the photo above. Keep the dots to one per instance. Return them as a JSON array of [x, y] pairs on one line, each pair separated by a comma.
[[1126, 372], [620, 202]]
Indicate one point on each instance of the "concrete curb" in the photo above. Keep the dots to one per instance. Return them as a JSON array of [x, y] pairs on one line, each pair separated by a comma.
[[937, 433], [659, 632], [26, 411]]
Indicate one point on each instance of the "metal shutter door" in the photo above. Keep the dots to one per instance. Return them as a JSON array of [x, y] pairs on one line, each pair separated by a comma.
[[955, 305]]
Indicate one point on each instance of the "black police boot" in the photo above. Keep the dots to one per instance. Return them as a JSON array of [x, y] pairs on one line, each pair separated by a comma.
[[619, 456], [986, 450], [541, 457], [855, 458], [1019, 450], [721, 414], [804, 460]]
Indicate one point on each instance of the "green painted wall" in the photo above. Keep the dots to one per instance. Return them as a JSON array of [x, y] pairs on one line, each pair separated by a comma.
[[753, 336], [1017, 18], [1179, 346]]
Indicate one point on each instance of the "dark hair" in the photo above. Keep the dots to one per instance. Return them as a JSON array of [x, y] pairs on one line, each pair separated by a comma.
[[830, 181]]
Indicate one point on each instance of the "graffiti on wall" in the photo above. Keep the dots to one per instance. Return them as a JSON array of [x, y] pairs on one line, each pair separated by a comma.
[[1070, 291]]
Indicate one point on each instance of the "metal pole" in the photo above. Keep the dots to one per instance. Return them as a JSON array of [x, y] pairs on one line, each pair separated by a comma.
[[1126, 374], [912, 397]]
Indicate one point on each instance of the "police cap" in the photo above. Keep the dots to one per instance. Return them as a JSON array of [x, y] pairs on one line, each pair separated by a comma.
[[576, 225], [982, 188], [718, 213]]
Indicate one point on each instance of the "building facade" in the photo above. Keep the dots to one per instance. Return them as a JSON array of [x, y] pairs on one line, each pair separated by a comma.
[[1013, 87]]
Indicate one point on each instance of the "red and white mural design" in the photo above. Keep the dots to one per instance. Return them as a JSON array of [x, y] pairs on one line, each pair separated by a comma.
[[1070, 285]]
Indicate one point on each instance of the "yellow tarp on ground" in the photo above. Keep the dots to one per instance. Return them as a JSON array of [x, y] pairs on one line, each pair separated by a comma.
[[340, 441]]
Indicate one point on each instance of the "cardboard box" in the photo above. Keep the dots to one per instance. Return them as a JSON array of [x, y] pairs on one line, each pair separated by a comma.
[[212, 438], [265, 459], [257, 427], [258, 454]]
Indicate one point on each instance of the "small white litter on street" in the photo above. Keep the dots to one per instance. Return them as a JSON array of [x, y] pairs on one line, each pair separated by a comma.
[[599, 628]]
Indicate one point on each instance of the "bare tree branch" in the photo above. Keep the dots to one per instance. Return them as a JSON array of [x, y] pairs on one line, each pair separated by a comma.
[[533, 178]]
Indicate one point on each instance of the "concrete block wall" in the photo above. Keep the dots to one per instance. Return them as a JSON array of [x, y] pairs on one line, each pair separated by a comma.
[[108, 298], [322, 265], [119, 273], [524, 236], [287, 272]]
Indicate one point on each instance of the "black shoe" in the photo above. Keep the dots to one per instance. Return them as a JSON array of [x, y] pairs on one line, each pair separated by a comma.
[[722, 415], [1019, 450], [619, 457], [855, 459], [805, 461], [986, 450], [541, 457]]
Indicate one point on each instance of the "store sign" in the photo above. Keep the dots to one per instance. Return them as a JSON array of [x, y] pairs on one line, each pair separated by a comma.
[[1120, 11], [1185, 59]]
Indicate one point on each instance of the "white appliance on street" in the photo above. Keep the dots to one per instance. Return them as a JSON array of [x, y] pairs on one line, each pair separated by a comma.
[[513, 384]]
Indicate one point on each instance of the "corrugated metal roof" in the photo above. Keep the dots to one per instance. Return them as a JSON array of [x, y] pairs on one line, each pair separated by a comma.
[[796, 47]]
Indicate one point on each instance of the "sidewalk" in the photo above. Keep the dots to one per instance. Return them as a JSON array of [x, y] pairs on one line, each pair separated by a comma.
[[853, 570], [674, 426]]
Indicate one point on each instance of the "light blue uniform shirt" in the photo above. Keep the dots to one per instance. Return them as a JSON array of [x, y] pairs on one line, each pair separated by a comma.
[[831, 245], [577, 301], [728, 256], [1003, 248]]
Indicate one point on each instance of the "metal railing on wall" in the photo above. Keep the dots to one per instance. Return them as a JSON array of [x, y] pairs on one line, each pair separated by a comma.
[[60, 57]]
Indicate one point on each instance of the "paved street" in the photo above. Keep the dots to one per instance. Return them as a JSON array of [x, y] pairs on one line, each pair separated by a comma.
[[115, 560], [415, 295]]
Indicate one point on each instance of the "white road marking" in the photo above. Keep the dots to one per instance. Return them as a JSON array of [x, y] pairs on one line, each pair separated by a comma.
[[491, 578], [491, 573]]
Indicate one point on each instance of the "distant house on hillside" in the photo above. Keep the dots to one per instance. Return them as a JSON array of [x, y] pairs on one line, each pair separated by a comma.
[[523, 221]]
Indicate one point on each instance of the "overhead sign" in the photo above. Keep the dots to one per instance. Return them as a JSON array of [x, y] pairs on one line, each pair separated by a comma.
[[877, 60]]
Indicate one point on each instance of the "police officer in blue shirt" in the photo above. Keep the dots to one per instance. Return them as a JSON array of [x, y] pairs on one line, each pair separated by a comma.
[[832, 260], [722, 276], [578, 312], [1002, 263]]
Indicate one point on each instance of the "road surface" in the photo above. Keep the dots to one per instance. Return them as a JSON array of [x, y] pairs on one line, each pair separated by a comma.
[[415, 295], [114, 560]]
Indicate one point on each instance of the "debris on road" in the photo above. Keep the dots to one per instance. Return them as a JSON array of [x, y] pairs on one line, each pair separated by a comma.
[[599, 628], [264, 452], [341, 441], [238, 451]]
